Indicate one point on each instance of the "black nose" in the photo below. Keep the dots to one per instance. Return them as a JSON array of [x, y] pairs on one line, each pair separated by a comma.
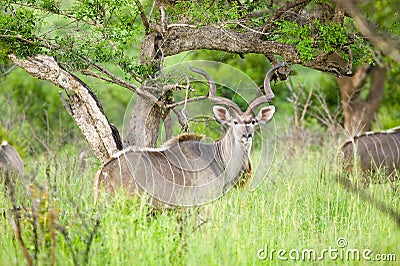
[[247, 136]]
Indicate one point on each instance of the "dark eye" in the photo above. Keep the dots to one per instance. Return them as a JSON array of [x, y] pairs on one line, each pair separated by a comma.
[[253, 121], [235, 122]]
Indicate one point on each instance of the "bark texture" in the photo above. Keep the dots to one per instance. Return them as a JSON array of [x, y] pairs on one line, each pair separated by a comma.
[[143, 124], [179, 39], [81, 103]]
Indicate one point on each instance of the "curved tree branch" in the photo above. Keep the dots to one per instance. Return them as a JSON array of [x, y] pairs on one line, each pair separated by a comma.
[[181, 39], [84, 107]]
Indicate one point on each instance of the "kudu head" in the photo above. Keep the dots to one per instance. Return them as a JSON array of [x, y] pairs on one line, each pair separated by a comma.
[[242, 124]]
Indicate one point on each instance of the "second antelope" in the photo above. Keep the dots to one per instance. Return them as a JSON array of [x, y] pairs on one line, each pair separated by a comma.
[[10, 160], [187, 171], [373, 151]]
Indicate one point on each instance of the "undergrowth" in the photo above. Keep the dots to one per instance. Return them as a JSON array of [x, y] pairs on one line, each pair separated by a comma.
[[301, 208]]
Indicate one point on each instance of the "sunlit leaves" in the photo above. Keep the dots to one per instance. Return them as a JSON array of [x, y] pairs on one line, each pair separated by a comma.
[[107, 31], [17, 31], [76, 32], [316, 38], [205, 12]]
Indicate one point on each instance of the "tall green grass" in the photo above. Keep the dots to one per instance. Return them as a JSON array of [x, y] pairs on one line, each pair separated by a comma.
[[301, 206]]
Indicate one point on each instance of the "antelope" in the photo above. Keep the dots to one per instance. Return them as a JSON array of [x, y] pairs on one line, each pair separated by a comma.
[[10, 160], [374, 151], [188, 171]]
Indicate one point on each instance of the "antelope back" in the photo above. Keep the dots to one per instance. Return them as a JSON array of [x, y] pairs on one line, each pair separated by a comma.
[[186, 173], [374, 150], [10, 160]]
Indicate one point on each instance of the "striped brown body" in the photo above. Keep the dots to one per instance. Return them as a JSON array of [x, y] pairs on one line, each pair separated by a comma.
[[10, 160], [373, 151], [188, 171]]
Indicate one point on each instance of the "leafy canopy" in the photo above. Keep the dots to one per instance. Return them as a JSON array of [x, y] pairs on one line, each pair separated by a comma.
[[107, 31], [76, 32], [83, 32]]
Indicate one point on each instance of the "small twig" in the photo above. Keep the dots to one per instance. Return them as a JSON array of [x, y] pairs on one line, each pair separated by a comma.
[[250, 29], [177, 85], [45, 43], [203, 119], [306, 105], [90, 240], [34, 221], [202, 222], [35, 136], [20, 38], [65, 103], [285, 8], [60, 13], [294, 99], [113, 77], [92, 74], [186, 94], [145, 21], [182, 119], [8, 71], [71, 248], [64, 26], [181, 114], [164, 22], [182, 25], [194, 99], [325, 116], [174, 86], [152, 9], [123, 83], [17, 232]]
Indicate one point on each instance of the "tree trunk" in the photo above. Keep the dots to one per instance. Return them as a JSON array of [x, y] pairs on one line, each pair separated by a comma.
[[358, 112], [81, 103], [143, 124]]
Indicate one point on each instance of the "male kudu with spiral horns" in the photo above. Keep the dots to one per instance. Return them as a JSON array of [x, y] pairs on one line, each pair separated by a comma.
[[187, 171]]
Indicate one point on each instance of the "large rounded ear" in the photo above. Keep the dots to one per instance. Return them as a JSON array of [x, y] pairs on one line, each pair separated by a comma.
[[221, 114], [265, 115]]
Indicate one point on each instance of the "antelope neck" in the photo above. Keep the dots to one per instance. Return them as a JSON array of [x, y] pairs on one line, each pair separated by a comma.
[[230, 147]]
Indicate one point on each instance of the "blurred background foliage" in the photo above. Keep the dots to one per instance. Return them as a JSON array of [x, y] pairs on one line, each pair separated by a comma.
[[32, 116]]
